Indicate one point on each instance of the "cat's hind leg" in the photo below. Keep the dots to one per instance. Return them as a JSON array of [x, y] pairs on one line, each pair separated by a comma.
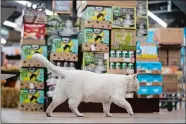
[[73, 105], [106, 108], [55, 102]]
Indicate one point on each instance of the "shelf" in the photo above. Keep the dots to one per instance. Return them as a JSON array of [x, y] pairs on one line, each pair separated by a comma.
[[9, 72], [13, 57], [156, 2]]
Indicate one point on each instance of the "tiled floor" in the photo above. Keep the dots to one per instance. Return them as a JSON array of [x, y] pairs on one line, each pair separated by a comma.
[[16, 116]]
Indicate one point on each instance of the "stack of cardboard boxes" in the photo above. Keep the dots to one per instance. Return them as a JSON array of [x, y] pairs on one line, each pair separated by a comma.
[[170, 41], [32, 74], [62, 40], [94, 37]]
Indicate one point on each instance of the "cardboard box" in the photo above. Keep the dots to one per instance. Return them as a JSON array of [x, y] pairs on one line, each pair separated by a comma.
[[28, 51], [122, 39], [86, 3], [34, 34], [32, 100], [62, 7], [149, 67], [94, 39], [96, 17], [163, 60], [174, 52], [169, 36], [124, 17], [142, 26], [170, 87], [97, 62], [141, 8], [163, 52], [174, 61], [146, 51], [62, 25], [32, 78]]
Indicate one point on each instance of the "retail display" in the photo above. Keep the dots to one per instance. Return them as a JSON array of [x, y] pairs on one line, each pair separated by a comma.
[[32, 78], [123, 39], [35, 15], [32, 100], [95, 62], [124, 17], [62, 7], [32, 72], [104, 38], [62, 25], [94, 39], [96, 17], [34, 34], [28, 51]]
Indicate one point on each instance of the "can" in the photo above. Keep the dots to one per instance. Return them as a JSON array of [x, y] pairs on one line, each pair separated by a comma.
[[131, 54], [118, 65], [130, 66], [125, 54], [124, 65], [112, 54], [112, 65], [118, 54]]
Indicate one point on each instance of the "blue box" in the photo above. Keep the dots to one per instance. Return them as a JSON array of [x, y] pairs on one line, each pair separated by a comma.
[[144, 90], [148, 66], [149, 78], [156, 90]]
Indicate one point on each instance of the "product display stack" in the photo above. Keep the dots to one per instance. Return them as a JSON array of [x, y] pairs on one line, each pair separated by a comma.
[[32, 73], [62, 29], [123, 39], [94, 38], [147, 61], [170, 42]]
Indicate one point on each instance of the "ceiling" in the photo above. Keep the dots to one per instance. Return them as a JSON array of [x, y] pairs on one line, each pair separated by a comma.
[[176, 17]]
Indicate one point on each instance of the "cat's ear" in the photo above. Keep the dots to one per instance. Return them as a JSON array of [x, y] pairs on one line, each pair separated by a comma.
[[135, 75]]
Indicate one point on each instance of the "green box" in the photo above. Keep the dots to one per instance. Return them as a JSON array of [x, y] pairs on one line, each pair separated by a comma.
[[65, 44], [32, 74], [96, 61], [94, 35], [97, 13], [29, 50], [32, 96], [124, 17]]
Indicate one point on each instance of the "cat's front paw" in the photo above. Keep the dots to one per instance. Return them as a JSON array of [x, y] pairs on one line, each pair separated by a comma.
[[48, 114], [80, 115], [108, 115], [131, 113]]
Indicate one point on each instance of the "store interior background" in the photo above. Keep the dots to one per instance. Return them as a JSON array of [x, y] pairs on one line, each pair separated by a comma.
[[172, 13]]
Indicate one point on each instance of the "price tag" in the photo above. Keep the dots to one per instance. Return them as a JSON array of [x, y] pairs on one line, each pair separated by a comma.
[[106, 55], [149, 84], [92, 47], [129, 71], [127, 59], [148, 71], [31, 86], [129, 95], [149, 96]]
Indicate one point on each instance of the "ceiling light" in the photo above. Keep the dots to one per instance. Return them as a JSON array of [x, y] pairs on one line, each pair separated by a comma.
[[48, 12], [3, 41], [10, 24], [157, 19]]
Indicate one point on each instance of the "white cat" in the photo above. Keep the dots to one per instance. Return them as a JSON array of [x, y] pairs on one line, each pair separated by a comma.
[[80, 85]]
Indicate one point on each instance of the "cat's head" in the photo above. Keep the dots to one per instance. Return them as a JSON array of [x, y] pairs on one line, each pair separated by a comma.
[[133, 83]]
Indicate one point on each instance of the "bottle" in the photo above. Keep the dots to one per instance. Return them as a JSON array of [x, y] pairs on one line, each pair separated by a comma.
[[118, 65]]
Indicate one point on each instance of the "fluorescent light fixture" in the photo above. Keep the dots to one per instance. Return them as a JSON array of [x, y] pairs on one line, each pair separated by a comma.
[[157, 19], [48, 12], [3, 41], [10, 24]]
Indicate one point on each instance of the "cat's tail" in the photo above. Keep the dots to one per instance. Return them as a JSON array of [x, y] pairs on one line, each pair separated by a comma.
[[48, 64]]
